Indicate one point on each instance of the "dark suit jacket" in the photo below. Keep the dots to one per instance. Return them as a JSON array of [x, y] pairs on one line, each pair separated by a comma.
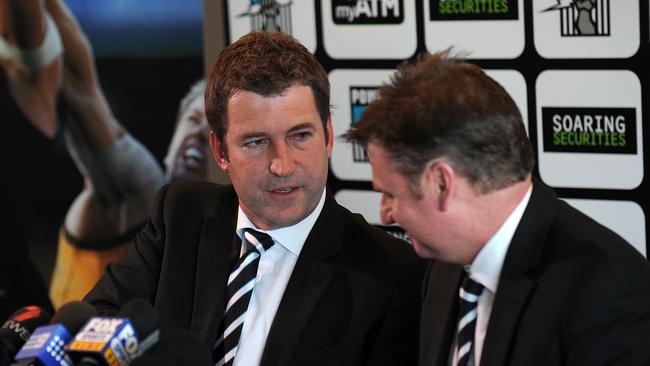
[[353, 297], [571, 292]]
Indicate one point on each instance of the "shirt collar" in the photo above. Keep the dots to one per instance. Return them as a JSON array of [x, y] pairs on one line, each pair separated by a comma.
[[486, 267], [291, 237]]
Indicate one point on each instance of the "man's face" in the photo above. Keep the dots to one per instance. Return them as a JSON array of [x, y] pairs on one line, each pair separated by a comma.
[[399, 204], [187, 156], [277, 155]]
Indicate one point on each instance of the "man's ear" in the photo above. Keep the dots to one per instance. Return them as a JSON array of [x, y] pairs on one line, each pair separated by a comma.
[[217, 151], [439, 178], [330, 136]]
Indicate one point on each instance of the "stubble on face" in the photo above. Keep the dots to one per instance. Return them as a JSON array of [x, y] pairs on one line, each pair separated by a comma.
[[277, 155]]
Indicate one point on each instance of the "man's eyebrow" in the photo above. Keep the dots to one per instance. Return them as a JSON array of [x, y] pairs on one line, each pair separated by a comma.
[[250, 135], [302, 126]]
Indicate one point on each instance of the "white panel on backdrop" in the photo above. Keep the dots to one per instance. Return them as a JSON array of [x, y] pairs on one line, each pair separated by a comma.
[[369, 29], [586, 29], [625, 218], [486, 30], [515, 84], [366, 203], [351, 92], [589, 129], [295, 17]]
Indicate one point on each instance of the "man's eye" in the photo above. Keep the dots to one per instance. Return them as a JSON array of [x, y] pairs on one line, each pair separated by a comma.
[[302, 136], [255, 144]]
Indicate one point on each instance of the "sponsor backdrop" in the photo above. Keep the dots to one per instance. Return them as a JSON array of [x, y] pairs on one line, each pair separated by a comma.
[[577, 70]]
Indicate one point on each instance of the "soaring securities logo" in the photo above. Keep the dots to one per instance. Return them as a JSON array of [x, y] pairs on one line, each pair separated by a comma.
[[473, 10], [589, 130], [368, 11], [360, 98], [269, 15], [582, 17]]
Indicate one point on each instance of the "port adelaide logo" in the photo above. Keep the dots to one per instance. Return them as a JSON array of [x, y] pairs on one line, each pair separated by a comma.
[[589, 130], [473, 10], [360, 98], [368, 11], [269, 15], [582, 17]]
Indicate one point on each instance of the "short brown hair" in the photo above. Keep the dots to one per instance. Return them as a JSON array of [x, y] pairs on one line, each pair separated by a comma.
[[440, 107], [265, 63]]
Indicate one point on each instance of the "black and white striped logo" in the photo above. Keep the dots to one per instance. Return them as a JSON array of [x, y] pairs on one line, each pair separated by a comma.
[[579, 18], [269, 15]]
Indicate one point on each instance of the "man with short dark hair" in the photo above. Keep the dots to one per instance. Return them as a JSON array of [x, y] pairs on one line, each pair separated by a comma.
[[271, 270], [520, 277]]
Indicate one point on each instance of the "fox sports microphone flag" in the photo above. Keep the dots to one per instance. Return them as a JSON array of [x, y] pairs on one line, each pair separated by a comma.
[[116, 340]]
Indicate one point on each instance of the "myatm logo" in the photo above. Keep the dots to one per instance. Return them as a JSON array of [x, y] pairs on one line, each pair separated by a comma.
[[368, 11], [589, 130], [473, 10]]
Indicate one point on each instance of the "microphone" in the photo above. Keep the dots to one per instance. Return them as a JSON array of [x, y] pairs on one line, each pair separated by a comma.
[[17, 330], [116, 341], [176, 347], [45, 346]]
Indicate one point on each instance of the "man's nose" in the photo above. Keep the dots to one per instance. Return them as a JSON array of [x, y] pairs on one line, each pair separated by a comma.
[[282, 163]]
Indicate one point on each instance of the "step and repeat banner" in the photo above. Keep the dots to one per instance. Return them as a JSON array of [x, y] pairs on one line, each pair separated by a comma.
[[577, 69]]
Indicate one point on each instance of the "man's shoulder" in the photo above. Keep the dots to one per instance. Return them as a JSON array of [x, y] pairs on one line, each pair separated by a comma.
[[574, 231], [195, 195], [200, 188], [562, 233]]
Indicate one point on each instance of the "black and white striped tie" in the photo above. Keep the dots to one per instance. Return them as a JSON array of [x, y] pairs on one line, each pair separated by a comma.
[[469, 294], [238, 295]]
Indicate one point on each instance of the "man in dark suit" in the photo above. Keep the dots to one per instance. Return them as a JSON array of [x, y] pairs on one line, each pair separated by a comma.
[[324, 287], [519, 276]]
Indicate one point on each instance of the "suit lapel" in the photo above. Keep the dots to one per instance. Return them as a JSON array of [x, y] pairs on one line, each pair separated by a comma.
[[218, 251], [439, 313], [307, 285], [517, 281], [508, 304]]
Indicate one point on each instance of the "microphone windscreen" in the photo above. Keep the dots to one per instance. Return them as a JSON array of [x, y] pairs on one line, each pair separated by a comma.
[[45, 347], [142, 315], [73, 315], [17, 330], [116, 340], [176, 347]]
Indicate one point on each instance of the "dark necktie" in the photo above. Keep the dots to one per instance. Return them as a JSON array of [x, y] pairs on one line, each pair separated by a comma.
[[469, 294], [238, 295]]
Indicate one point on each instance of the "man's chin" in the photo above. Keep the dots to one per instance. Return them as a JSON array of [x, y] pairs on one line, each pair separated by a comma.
[[280, 218], [421, 250]]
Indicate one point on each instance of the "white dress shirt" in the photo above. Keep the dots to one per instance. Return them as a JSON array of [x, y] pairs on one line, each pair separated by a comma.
[[273, 273], [486, 270]]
